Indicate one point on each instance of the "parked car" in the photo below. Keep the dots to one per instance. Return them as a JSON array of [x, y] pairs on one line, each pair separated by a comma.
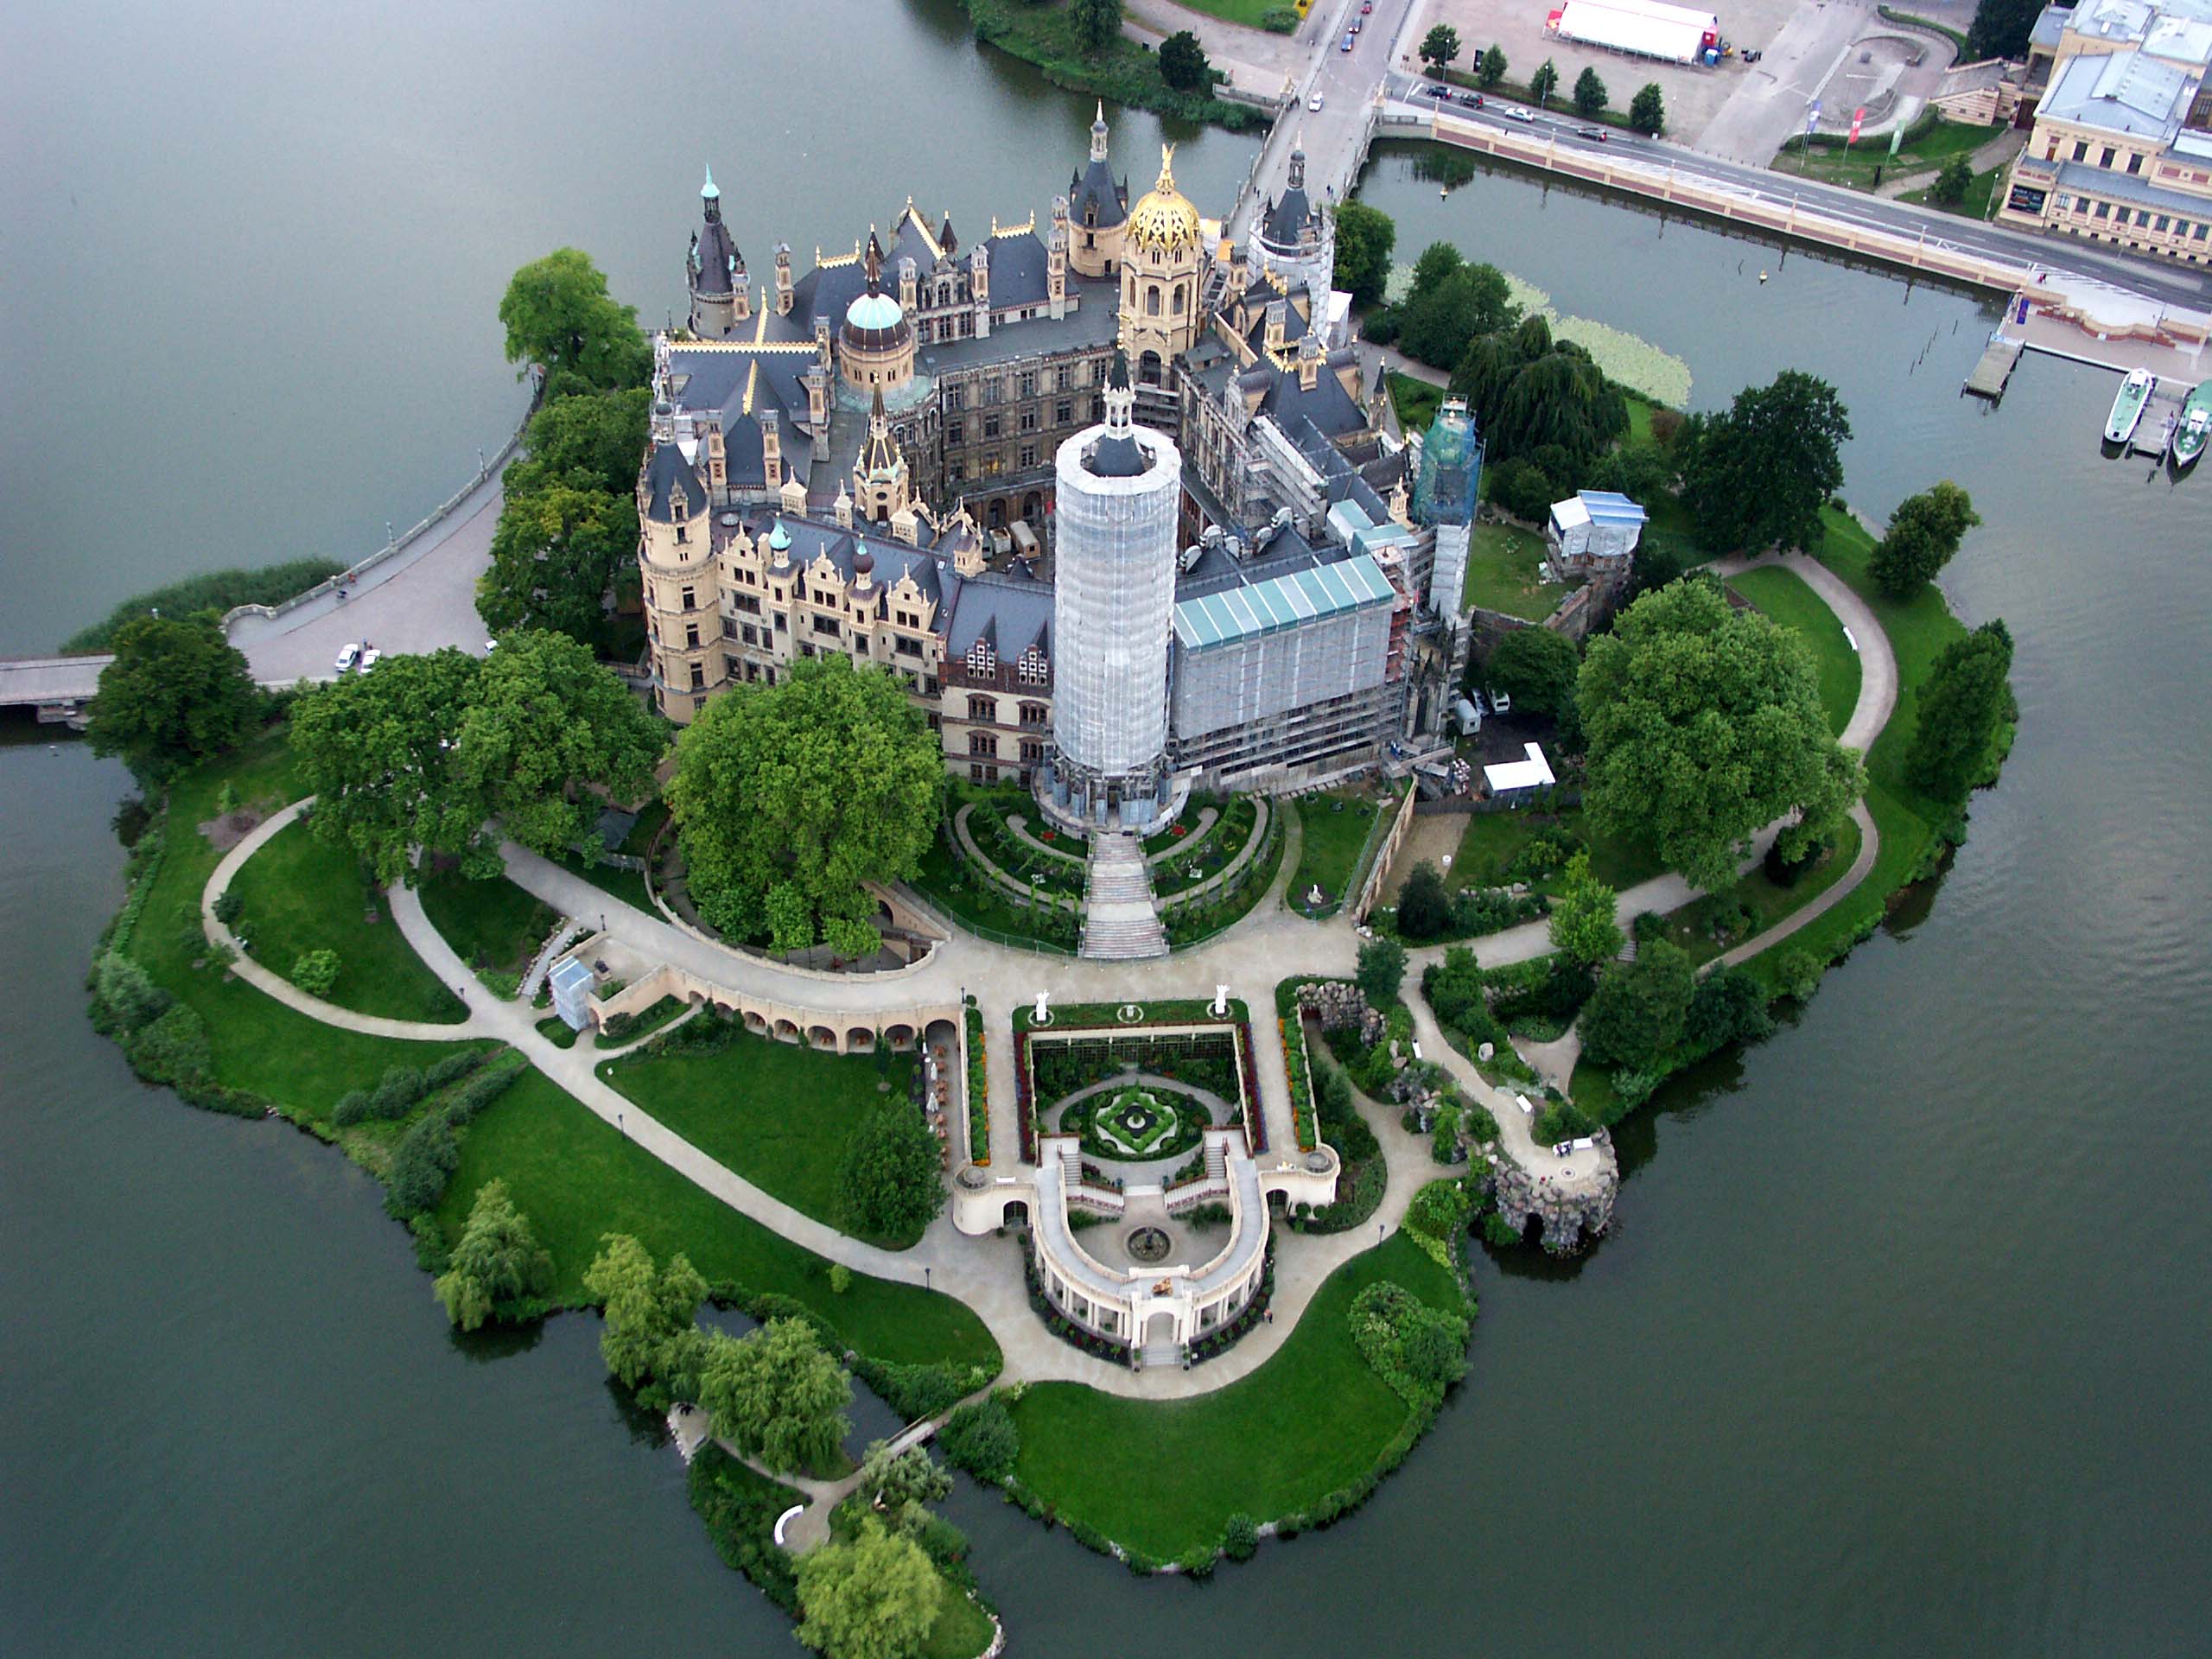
[[1314, 102], [1517, 113], [370, 658], [1500, 703], [348, 656]]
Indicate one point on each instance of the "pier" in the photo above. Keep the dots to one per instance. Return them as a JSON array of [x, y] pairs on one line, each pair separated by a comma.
[[1998, 361], [2155, 431]]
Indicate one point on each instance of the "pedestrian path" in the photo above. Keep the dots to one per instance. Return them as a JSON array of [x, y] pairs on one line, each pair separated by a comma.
[[1119, 923]]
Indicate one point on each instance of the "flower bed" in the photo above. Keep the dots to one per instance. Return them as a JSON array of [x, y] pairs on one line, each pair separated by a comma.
[[1223, 1337], [1059, 1324], [1297, 1067], [979, 1091], [1025, 1095], [1138, 1124], [1255, 1121]]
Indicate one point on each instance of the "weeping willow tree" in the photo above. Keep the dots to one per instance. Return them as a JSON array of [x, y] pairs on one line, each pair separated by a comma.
[[1530, 391]]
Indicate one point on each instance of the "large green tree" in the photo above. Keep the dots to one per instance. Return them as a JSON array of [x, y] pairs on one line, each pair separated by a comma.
[[591, 441], [1925, 533], [1582, 926], [1183, 62], [649, 1312], [1492, 68], [1381, 971], [1647, 111], [560, 316], [1758, 475], [1640, 1007], [890, 1179], [845, 772], [1545, 81], [1704, 724], [1096, 23], [1440, 46], [496, 1260], [2001, 28], [873, 1595], [547, 730], [553, 557], [1537, 669], [1529, 391], [777, 1396], [1590, 93], [375, 751], [1366, 237], [1451, 303], [176, 693], [1965, 705]]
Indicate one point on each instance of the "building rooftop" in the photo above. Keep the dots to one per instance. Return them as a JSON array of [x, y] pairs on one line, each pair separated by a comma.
[[1266, 607], [1605, 508], [1534, 772], [2123, 92]]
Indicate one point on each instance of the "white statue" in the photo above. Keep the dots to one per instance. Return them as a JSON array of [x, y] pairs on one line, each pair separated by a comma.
[[1041, 1017], [1220, 1000]]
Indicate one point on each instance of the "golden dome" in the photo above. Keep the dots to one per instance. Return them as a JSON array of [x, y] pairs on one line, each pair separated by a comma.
[[1163, 221]]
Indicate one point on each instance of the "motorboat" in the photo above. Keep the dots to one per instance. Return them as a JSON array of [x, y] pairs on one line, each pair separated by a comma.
[[2128, 407], [2195, 426]]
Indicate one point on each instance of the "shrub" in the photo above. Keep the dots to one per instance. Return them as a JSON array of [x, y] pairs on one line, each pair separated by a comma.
[[481, 1089], [127, 992], [1419, 1351], [1561, 1120], [452, 1069], [1240, 1537], [841, 1279], [422, 1164], [890, 1182], [1280, 20], [315, 972], [1434, 1217], [981, 1438], [353, 1107], [396, 1092], [230, 906], [1500, 1231], [1797, 971], [171, 1048], [916, 1391]]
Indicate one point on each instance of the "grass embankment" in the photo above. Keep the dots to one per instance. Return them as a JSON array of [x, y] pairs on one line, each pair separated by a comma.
[[1755, 902], [578, 1179], [495, 926], [1502, 574], [1338, 827], [212, 590], [1164, 1478], [1929, 142], [302, 894], [1488, 846], [1979, 201], [1913, 827], [1042, 32], [1783, 598], [970, 900], [1892, 14], [780, 1114], [1414, 399], [298, 1063]]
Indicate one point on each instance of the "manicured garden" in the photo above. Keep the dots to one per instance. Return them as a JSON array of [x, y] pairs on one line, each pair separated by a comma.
[[1142, 1121], [781, 1115], [1164, 1478], [495, 926], [1495, 848], [1784, 597], [578, 1179], [1221, 907], [1334, 830], [302, 894], [1929, 142], [1717, 923], [1501, 564], [964, 894]]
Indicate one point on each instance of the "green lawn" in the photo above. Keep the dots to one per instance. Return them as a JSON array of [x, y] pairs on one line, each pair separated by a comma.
[[1337, 826], [1974, 205], [1782, 596], [1416, 400], [628, 886], [578, 1179], [643, 1025], [1491, 839], [492, 924], [1502, 574], [1248, 12], [780, 1114], [1856, 168], [1691, 926], [1164, 1476], [969, 900], [301, 1064], [962, 1629], [302, 894]]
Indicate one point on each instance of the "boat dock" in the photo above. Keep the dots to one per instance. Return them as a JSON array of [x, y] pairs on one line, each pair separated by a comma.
[[1998, 361], [2160, 415]]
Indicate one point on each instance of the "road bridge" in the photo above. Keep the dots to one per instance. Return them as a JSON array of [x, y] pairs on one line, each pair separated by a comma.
[[55, 687]]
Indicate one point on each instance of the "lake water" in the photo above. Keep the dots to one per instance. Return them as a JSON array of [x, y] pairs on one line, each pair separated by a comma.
[[1901, 1344]]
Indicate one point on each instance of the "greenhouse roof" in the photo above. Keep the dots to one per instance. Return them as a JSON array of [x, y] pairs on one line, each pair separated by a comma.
[[1282, 602]]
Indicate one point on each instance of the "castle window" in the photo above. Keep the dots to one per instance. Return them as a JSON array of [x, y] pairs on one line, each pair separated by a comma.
[[1151, 299], [983, 743], [698, 676], [957, 432], [1062, 412], [1028, 455], [1062, 378], [1033, 754], [1028, 382], [1033, 714], [981, 659], [691, 636], [1032, 670], [1179, 299], [1029, 420], [982, 709], [826, 624], [908, 646], [990, 426], [956, 397]]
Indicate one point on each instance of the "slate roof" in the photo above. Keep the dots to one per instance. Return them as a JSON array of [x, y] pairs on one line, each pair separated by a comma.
[[1286, 219], [1095, 188], [1018, 261], [668, 475], [1013, 612]]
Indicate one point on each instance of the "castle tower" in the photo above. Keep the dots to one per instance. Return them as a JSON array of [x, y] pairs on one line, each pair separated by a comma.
[[1113, 605], [882, 486], [680, 588], [876, 345], [720, 297], [1443, 495], [1161, 262], [1296, 238], [1098, 208]]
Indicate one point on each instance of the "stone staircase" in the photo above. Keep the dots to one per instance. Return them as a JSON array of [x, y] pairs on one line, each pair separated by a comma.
[[1162, 1356], [1119, 923], [1216, 1161]]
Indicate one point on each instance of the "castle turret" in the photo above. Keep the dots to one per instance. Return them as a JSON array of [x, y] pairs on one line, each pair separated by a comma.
[[1162, 256], [1097, 209], [881, 486], [721, 295]]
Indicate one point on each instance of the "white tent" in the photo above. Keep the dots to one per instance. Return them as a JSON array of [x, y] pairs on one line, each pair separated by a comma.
[[1647, 29]]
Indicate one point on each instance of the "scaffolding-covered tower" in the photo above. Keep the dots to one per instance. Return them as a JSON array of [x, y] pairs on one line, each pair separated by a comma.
[[1443, 495], [1113, 605]]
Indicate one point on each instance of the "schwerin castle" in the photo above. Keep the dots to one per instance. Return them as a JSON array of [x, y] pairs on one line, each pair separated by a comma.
[[928, 455]]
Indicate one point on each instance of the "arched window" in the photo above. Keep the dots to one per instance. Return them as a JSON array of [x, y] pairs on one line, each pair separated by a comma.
[[1151, 299], [1179, 299]]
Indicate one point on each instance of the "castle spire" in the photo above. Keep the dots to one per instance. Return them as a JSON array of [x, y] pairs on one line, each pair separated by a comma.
[[709, 193], [1098, 133]]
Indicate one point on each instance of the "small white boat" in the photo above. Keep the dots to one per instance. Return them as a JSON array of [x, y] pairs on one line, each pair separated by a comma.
[[2128, 407], [2196, 426]]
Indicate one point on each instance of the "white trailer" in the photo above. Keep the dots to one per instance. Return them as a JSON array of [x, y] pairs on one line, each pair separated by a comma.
[[1643, 29]]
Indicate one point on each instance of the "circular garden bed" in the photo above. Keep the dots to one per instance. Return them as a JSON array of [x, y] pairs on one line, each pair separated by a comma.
[[1139, 1123]]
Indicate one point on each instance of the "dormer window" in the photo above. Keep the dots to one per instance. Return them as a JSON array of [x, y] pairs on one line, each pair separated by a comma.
[[981, 659], [1031, 667]]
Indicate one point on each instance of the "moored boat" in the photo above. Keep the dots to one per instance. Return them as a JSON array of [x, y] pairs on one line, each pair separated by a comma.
[[2128, 407], [2196, 426]]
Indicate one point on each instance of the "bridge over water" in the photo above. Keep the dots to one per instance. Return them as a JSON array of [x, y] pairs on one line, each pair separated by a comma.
[[55, 687]]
